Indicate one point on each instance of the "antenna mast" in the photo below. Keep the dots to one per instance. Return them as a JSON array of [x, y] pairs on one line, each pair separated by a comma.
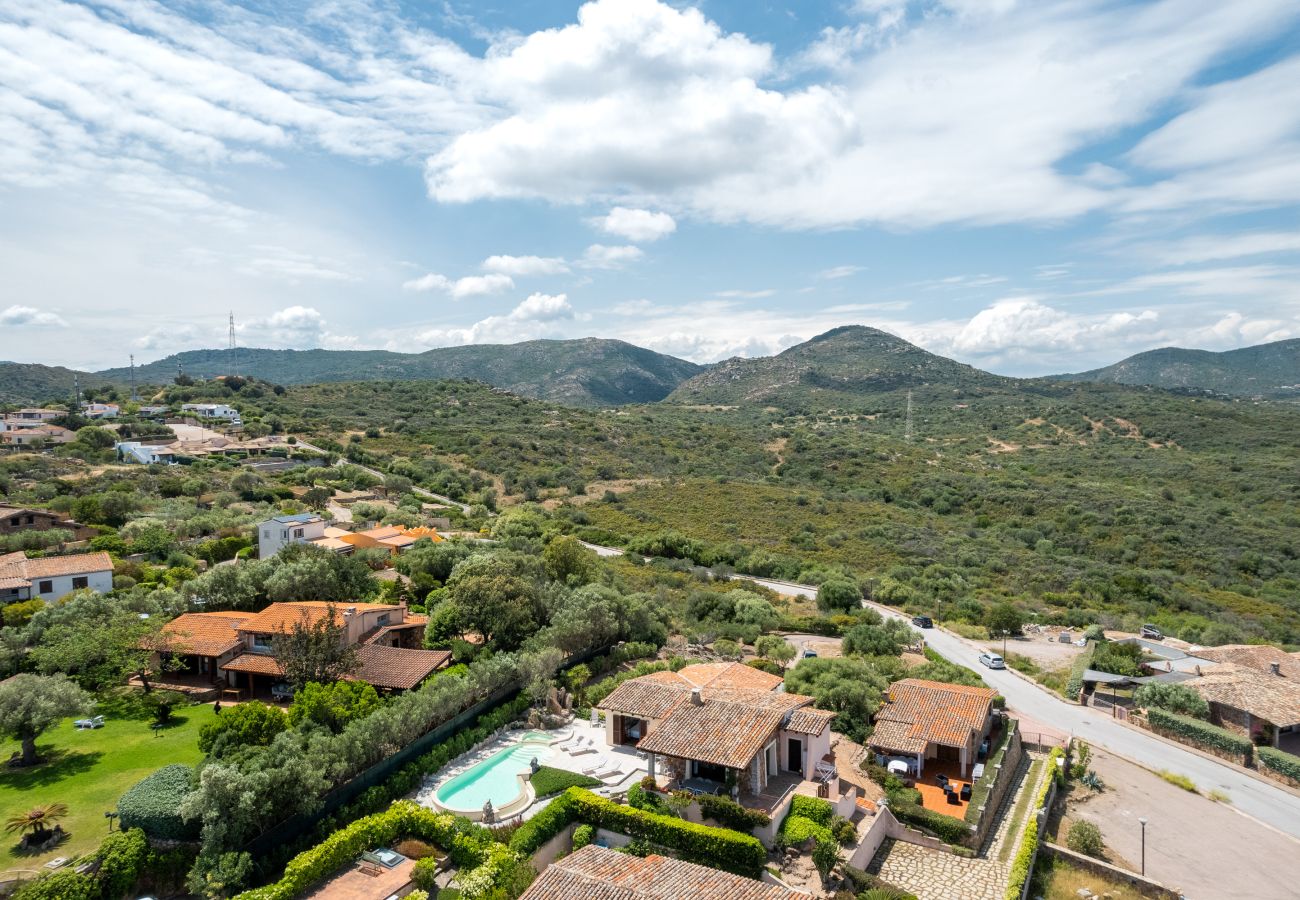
[[907, 431], [234, 369], [76, 394], [135, 393]]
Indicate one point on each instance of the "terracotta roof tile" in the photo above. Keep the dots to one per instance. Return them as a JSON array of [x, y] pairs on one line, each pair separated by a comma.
[[809, 721], [397, 667], [1259, 657], [644, 698], [934, 712], [1264, 696], [205, 634], [284, 616], [17, 565], [726, 734], [597, 873], [256, 663]]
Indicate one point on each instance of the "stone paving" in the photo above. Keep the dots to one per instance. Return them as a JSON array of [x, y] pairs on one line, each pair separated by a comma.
[[938, 875]]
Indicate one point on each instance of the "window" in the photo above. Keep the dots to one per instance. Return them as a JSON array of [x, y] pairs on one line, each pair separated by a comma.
[[262, 642], [383, 620], [80, 582], [45, 587]]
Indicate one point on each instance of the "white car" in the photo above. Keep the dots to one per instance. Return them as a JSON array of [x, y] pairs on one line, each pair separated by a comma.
[[992, 660]]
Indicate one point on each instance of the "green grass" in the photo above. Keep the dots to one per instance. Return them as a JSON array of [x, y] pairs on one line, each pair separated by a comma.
[[1028, 791], [89, 771], [547, 781]]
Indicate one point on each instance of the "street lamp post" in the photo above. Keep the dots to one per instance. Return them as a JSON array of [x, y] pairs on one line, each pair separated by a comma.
[[1144, 845], [1005, 632]]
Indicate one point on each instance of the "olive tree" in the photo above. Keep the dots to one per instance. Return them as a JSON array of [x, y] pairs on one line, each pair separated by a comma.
[[30, 704]]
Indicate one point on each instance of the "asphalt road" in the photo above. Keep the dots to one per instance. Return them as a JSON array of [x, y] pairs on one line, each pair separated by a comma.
[[1271, 805]]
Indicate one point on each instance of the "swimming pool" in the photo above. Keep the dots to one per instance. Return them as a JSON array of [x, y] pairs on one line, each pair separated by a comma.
[[495, 778]]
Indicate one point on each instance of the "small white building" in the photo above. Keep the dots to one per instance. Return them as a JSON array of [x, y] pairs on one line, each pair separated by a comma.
[[274, 535], [28, 418], [145, 454], [211, 410], [52, 577], [100, 410]]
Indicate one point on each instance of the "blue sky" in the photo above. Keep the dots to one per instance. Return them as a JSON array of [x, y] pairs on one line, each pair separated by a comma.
[[1028, 187]]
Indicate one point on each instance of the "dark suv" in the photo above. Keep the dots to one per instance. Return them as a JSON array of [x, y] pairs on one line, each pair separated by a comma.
[[922, 621]]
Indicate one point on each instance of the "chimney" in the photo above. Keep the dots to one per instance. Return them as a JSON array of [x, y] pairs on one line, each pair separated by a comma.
[[697, 698], [349, 612], [1276, 667]]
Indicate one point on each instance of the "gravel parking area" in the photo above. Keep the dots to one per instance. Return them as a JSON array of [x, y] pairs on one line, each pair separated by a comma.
[[1203, 848]]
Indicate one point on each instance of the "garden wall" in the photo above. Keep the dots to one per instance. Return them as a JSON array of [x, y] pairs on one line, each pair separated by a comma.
[[1102, 869]]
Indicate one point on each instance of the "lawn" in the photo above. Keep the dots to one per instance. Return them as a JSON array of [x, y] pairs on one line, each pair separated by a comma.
[[89, 771], [1059, 880]]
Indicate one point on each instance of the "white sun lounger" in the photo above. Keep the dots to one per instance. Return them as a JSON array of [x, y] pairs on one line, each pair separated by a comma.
[[612, 775], [586, 745], [596, 766]]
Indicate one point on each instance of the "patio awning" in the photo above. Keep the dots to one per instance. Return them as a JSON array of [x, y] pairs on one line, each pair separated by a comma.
[[1097, 677]]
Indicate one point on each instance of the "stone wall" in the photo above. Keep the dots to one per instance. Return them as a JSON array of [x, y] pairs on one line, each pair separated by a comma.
[[1009, 765], [1146, 886]]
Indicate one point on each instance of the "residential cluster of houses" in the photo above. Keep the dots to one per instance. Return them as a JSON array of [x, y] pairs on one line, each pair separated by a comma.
[[33, 427], [275, 534], [1252, 689], [168, 451]]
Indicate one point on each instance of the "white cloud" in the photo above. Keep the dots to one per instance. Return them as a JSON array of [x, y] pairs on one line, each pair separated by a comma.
[[460, 288], [1215, 247], [745, 295], [29, 316], [523, 266], [538, 315], [171, 338], [1025, 323], [291, 266], [638, 225], [297, 327], [602, 256], [837, 272]]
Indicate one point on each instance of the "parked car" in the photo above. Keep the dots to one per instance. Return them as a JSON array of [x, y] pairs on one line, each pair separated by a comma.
[[922, 621], [992, 660], [1152, 632], [809, 653]]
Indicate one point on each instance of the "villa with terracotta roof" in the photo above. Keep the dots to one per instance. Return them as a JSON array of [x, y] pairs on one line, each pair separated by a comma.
[[393, 538], [15, 519], [598, 873], [1263, 658], [236, 649], [709, 721], [1262, 705], [52, 577], [933, 720]]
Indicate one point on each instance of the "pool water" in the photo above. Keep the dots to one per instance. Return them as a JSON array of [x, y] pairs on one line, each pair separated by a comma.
[[493, 779]]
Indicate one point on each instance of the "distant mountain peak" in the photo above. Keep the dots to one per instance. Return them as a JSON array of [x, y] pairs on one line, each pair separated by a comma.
[[1269, 371]]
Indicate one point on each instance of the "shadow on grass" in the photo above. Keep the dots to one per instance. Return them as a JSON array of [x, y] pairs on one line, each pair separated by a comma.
[[55, 766]]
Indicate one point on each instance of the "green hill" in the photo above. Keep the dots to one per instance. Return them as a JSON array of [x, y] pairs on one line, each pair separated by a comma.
[[842, 364], [1267, 370], [583, 372], [34, 383]]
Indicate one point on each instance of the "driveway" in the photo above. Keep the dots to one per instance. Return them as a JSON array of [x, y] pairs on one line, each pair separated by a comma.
[[1224, 855]]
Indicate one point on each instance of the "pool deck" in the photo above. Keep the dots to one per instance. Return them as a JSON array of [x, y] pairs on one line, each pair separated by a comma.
[[593, 757]]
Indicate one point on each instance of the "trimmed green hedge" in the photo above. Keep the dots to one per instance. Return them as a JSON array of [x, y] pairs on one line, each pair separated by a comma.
[[470, 846], [947, 828], [1023, 865], [730, 814], [809, 819], [1279, 762], [720, 848], [1194, 731], [547, 781], [153, 804], [1081, 664]]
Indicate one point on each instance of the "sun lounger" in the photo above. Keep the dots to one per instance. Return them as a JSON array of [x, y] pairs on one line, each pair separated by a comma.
[[596, 767], [96, 722], [612, 775], [586, 745]]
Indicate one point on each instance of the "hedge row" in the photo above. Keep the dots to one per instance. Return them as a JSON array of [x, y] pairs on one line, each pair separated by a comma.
[[153, 804], [984, 784], [124, 861], [809, 819], [730, 814], [1081, 663], [1023, 866], [720, 848], [947, 828], [1195, 731], [469, 845], [1282, 763]]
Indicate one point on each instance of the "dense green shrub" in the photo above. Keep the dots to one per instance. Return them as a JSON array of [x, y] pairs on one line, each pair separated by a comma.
[[539, 829], [249, 724], [547, 781], [946, 828], [122, 856], [1277, 761], [1175, 698], [66, 885], [1022, 865], [1194, 731], [1085, 838], [153, 804], [815, 808], [730, 814], [1082, 663]]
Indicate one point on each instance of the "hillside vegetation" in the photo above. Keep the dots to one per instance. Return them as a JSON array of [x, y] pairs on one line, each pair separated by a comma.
[[1267, 370], [584, 372]]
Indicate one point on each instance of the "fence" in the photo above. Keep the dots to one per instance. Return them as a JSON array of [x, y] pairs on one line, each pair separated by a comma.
[[297, 825]]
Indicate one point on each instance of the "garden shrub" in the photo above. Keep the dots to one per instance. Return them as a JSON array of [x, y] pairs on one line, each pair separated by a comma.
[[730, 814], [1175, 698], [1082, 662], [582, 836], [122, 857], [1282, 763], [153, 804], [547, 781], [947, 828], [1085, 838], [539, 829], [1200, 733], [815, 808], [64, 885], [1022, 866]]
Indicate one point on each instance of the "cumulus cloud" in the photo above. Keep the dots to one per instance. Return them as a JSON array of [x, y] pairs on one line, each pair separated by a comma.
[[31, 317], [737, 294], [460, 288], [536, 316], [638, 225], [602, 256], [1025, 323], [523, 266], [298, 327], [836, 272]]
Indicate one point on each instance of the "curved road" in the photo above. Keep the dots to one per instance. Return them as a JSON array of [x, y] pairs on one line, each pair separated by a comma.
[[1271, 805]]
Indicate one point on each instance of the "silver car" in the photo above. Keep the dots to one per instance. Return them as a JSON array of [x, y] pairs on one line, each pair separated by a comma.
[[992, 660]]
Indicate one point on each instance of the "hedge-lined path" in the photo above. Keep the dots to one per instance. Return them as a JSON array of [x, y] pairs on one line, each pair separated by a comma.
[[938, 875]]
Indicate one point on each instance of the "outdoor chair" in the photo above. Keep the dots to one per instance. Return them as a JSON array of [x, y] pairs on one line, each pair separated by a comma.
[[96, 722], [953, 798], [965, 792], [941, 780]]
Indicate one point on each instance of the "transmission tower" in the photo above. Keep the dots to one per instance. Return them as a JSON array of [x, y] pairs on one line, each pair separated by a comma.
[[907, 428], [234, 369], [76, 394]]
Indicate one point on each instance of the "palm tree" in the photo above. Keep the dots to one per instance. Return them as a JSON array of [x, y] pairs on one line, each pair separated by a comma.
[[36, 820]]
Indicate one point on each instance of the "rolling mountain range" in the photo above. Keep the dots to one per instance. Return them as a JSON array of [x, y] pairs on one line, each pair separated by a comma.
[[1267, 370], [844, 362]]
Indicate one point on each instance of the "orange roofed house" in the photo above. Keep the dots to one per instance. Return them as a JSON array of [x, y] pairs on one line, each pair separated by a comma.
[[709, 720], [52, 577], [236, 649], [931, 720], [598, 873]]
